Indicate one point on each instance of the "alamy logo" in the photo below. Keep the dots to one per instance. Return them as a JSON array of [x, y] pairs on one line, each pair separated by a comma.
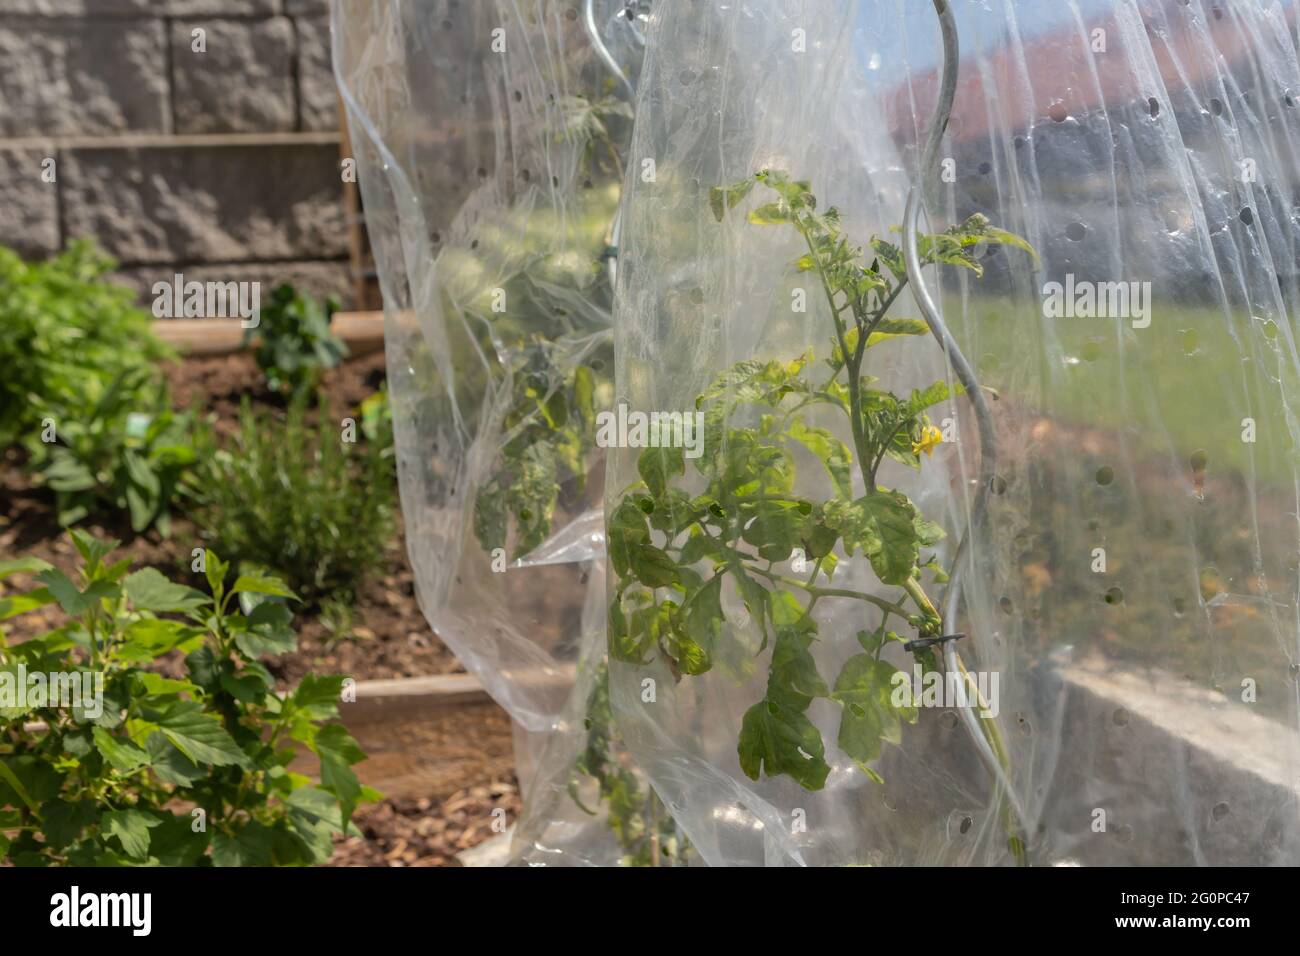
[[179, 299], [949, 689], [631, 429], [34, 690], [134, 910], [1098, 300]]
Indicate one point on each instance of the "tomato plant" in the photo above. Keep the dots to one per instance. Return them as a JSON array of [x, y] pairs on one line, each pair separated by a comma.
[[680, 546]]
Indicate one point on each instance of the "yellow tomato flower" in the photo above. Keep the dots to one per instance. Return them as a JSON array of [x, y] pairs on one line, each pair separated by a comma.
[[930, 437]]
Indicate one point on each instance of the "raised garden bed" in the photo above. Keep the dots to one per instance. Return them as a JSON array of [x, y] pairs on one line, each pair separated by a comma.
[[438, 748]]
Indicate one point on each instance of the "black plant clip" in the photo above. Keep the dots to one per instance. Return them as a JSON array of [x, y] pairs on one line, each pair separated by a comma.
[[923, 642]]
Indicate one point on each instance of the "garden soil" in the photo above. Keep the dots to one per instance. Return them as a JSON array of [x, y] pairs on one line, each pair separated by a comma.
[[463, 763]]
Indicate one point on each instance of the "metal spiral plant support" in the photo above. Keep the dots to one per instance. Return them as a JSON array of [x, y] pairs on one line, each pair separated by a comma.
[[606, 57], [966, 376], [602, 51]]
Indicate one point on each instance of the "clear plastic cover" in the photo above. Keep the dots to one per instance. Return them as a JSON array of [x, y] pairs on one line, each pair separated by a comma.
[[1129, 603], [490, 141]]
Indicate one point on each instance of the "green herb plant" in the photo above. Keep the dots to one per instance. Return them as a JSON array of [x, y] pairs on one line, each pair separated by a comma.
[[173, 771], [83, 390], [65, 333], [293, 342], [115, 446], [673, 551], [290, 494]]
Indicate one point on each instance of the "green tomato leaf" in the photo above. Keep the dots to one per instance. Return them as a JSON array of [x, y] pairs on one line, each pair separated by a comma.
[[657, 466], [888, 329], [881, 525], [875, 695], [631, 634], [776, 740], [775, 529], [722, 198], [625, 530], [793, 680], [830, 451], [653, 566], [771, 214], [703, 614]]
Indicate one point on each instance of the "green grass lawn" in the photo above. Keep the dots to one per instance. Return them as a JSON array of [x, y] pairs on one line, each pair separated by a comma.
[[1184, 384]]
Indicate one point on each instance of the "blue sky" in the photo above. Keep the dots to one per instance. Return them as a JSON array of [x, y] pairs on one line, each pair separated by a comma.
[[921, 31]]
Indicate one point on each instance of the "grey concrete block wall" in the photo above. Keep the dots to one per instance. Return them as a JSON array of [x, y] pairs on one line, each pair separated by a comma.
[[227, 203], [159, 8], [233, 76], [320, 280], [217, 162], [70, 76], [29, 202], [318, 94]]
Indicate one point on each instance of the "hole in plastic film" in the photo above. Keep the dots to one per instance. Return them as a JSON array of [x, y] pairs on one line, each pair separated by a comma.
[[1075, 231]]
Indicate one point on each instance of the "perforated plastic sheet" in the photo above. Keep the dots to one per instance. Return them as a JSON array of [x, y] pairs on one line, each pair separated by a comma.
[[1135, 589], [489, 138]]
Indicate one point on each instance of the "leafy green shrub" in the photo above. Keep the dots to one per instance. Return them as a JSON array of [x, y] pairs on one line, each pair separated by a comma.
[[65, 332], [83, 389], [154, 770], [297, 498], [116, 445], [293, 342]]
